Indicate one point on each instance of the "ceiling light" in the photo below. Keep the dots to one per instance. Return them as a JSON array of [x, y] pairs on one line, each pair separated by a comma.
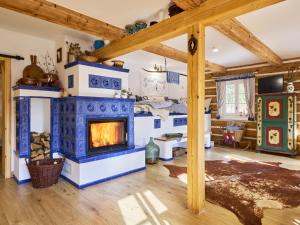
[[214, 49]]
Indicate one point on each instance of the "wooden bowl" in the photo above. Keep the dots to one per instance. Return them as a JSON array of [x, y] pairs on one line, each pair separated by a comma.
[[118, 63], [108, 63], [87, 58]]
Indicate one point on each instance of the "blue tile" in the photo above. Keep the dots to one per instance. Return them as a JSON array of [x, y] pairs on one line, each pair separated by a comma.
[[71, 81], [157, 123]]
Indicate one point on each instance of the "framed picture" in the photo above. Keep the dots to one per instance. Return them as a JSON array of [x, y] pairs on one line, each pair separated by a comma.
[[59, 55]]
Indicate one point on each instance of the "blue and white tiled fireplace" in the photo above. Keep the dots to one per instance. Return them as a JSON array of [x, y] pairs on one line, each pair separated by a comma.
[[77, 114], [94, 134]]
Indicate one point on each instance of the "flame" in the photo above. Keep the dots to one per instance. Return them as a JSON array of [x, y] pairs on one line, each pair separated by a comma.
[[105, 134]]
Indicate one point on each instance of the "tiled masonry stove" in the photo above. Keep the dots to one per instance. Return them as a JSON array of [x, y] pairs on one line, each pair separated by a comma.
[[93, 130]]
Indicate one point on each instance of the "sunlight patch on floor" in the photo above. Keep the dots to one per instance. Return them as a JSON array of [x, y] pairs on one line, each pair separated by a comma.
[[142, 209], [183, 178], [159, 207], [131, 211], [296, 222]]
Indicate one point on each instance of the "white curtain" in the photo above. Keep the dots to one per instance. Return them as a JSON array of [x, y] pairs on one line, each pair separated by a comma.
[[249, 86], [221, 89]]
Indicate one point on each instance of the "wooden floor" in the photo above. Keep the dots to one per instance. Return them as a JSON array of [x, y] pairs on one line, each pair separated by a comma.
[[147, 197]]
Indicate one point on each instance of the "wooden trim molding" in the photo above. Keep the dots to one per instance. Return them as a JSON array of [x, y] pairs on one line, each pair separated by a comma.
[[6, 117]]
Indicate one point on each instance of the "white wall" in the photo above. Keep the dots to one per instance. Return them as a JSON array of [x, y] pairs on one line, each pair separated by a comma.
[[154, 84], [40, 115], [60, 42], [24, 45]]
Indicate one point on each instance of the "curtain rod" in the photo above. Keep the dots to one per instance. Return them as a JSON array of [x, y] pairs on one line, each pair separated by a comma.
[[17, 57]]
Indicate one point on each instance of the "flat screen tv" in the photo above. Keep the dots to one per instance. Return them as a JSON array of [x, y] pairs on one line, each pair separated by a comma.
[[270, 84]]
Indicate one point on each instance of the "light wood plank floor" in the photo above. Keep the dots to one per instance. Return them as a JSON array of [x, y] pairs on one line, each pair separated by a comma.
[[147, 197]]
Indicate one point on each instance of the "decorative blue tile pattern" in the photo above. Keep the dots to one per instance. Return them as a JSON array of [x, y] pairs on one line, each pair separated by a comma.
[[71, 81], [179, 121], [96, 81], [55, 138], [23, 126], [74, 113], [157, 123]]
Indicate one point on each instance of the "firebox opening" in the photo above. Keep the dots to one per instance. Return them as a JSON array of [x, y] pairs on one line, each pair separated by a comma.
[[107, 134]]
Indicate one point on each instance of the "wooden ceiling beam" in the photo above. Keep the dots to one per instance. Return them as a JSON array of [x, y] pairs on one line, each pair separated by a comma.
[[237, 32], [207, 13], [60, 15]]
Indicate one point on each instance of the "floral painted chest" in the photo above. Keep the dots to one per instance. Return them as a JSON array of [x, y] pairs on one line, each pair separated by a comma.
[[277, 123]]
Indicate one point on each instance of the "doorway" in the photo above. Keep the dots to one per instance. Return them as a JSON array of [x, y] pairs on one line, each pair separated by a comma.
[[5, 113]]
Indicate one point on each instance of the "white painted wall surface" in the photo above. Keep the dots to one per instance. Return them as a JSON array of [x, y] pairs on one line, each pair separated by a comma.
[[40, 115], [24, 45], [140, 83]]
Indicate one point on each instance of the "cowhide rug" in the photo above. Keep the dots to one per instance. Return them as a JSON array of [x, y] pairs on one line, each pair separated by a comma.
[[246, 188]]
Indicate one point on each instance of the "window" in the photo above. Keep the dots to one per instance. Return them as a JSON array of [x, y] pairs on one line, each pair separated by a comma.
[[235, 106]]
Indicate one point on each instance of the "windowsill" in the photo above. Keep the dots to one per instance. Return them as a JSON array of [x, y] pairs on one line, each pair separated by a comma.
[[234, 118]]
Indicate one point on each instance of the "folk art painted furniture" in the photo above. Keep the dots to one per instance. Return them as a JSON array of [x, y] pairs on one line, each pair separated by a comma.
[[277, 123]]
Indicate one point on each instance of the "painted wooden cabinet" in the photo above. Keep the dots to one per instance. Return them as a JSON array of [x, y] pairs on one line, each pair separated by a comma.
[[277, 123]]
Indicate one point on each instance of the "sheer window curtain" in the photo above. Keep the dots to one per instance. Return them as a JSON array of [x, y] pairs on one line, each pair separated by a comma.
[[249, 86], [221, 89]]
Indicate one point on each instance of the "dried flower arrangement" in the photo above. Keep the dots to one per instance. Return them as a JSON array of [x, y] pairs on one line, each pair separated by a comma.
[[47, 64]]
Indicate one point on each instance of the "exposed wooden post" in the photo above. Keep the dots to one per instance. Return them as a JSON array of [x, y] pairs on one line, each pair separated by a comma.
[[196, 99], [5, 68]]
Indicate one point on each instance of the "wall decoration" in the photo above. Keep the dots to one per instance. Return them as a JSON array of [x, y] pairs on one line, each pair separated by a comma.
[[192, 45], [59, 55], [173, 77], [153, 85]]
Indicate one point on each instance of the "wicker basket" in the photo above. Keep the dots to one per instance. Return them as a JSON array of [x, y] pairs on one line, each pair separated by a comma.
[[45, 173]]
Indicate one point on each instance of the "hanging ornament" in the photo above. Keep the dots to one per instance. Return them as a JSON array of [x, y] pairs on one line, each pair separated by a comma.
[[193, 45]]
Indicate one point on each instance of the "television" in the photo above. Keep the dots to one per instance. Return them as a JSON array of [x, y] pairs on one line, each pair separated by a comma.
[[270, 84]]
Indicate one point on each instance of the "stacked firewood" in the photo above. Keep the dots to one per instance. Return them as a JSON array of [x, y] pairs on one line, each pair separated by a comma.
[[40, 146]]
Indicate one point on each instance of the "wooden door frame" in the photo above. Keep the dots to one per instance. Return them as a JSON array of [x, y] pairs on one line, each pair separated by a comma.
[[6, 117]]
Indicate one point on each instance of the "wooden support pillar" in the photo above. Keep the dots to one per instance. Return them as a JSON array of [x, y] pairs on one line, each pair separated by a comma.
[[196, 99]]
